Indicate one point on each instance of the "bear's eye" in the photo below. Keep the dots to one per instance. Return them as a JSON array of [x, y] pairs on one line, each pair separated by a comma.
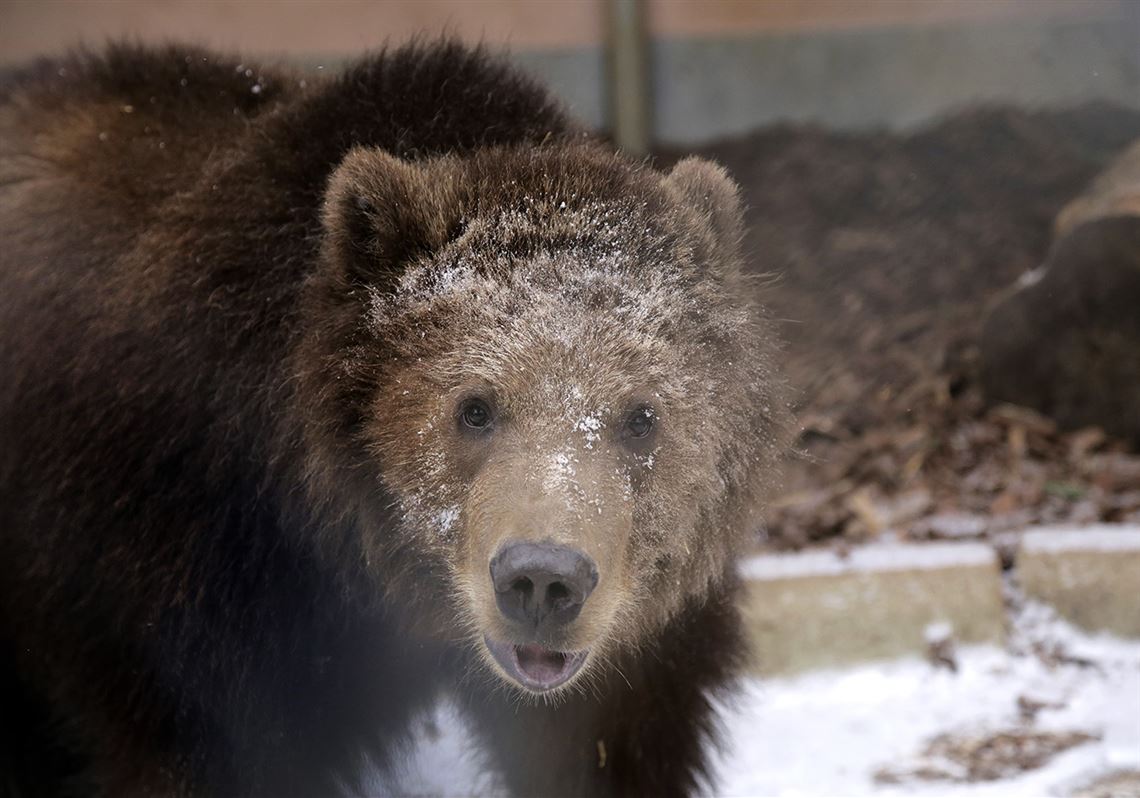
[[639, 423], [475, 414]]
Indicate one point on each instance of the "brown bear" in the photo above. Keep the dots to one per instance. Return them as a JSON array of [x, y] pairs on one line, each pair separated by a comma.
[[324, 397]]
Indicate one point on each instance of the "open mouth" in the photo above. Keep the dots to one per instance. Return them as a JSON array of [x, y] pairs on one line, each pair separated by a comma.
[[534, 667]]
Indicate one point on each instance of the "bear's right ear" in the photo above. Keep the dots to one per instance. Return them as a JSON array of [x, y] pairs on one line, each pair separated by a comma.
[[380, 213], [706, 188]]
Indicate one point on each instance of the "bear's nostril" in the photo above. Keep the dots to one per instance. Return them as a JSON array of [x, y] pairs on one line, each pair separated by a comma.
[[557, 593], [541, 584]]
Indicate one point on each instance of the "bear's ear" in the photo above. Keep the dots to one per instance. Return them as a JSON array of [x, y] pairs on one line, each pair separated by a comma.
[[707, 188], [380, 213]]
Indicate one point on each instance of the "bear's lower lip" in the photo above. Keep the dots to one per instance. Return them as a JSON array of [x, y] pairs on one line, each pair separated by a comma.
[[534, 667]]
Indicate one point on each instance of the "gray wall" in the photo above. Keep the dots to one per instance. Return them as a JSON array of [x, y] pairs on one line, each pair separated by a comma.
[[894, 77]]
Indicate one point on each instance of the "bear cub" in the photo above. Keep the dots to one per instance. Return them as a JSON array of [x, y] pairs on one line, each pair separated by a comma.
[[324, 397]]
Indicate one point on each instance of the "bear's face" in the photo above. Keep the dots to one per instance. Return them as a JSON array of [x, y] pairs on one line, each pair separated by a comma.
[[549, 363]]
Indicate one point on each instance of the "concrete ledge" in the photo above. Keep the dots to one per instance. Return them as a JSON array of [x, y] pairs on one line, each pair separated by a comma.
[[816, 609], [1090, 575]]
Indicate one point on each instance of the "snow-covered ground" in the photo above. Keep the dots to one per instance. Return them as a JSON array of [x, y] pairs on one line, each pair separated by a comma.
[[827, 733]]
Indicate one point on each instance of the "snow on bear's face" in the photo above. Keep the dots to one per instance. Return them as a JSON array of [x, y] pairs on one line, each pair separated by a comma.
[[561, 383]]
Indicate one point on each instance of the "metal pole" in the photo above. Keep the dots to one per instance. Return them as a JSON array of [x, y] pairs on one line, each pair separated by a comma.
[[628, 75]]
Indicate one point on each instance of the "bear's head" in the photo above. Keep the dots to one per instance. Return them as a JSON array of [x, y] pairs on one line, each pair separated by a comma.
[[540, 393]]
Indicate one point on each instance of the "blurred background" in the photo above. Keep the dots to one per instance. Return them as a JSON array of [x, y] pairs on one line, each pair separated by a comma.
[[712, 68], [944, 196]]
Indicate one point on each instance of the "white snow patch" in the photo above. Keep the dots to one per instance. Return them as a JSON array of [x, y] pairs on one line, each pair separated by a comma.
[[938, 632], [876, 557], [445, 519], [826, 733], [590, 425], [1101, 537], [443, 760], [559, 472]]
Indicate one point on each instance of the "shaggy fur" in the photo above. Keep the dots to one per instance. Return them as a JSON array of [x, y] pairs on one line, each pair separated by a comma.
[[242, 541]]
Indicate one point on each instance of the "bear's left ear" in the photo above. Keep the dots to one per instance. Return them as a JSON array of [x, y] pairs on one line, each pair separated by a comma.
[[382, 212], [707, 188]]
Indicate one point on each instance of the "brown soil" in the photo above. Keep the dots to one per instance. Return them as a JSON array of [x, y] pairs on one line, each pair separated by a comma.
[[886, 251]]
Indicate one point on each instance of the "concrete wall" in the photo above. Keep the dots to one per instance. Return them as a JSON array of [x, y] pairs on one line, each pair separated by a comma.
[[895, 76], [719, 66]]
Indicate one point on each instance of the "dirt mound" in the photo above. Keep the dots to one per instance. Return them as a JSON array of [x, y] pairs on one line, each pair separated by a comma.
[[886, 250]]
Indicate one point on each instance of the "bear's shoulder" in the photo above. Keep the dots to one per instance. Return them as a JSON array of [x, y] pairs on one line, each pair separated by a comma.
[[423, 98], [136, 124], [126, 126], [439, 98]]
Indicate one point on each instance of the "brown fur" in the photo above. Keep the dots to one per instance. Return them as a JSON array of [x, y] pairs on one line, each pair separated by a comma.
[[244, 541]]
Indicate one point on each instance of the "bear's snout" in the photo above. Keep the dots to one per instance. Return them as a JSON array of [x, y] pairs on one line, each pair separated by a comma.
[[542, 586]]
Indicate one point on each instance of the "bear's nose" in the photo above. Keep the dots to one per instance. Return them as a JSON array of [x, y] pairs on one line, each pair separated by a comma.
[[542, 585]]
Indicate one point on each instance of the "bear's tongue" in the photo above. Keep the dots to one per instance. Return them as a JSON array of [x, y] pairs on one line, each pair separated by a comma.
[[540, 664], [533, 666]]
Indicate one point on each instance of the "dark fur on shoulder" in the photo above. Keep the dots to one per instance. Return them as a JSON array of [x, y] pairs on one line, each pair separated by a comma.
[[190, 597]]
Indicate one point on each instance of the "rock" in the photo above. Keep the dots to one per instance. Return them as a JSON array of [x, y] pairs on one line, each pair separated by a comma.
[[1087, 574], [1066, 340], [824, 609], [1068, 343]]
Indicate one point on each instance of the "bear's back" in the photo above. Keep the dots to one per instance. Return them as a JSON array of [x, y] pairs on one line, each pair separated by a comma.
[[126, 129], [132, 127]]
